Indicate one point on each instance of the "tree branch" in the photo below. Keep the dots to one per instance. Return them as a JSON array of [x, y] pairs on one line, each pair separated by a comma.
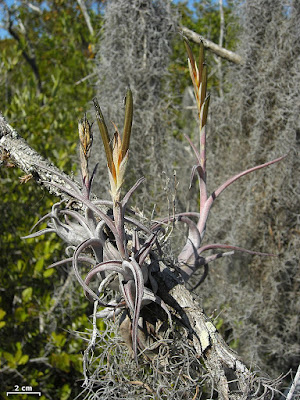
[[220, 51]]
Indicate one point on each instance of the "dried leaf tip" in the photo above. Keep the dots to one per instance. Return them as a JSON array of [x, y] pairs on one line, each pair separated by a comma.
[[201, 58], [127, 122], [190, 54], [104, 135]]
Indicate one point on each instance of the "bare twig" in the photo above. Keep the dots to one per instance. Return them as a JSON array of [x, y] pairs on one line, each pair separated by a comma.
[[85, 13], [34, 7], [296, 384], [85, 78], [220, 51]]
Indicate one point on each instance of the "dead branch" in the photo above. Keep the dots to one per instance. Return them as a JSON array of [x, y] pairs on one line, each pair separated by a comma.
[[218, 50], [85, 13]]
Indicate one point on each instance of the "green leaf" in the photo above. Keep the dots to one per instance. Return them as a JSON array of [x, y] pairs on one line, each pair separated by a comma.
[[8, 357], [20, 265], [234, 344], [65, 392], [2, 313], [58, 339], [76, 360], [219, 324], [48, 273], [61, 361], [27, 294], [23, 360], [21, 314], [18, 354], [39, 265]]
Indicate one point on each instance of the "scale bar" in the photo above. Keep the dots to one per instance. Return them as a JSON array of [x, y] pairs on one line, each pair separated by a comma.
[[39, 393]]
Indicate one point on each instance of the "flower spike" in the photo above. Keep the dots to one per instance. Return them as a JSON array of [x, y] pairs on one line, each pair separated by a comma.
[[86, 141], [199, 78]]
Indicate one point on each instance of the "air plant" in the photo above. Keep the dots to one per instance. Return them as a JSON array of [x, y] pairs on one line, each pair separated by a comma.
[[122, 266], [124, 259], [190, 258]]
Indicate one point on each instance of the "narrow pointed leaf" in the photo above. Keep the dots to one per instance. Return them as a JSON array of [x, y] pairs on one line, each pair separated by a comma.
[[139, 288], [86, 259], [114, 266], [127, 122], [205, 110], [104, 135], [76, 258], [130, 192], [39, 233], [192, 243], [194, 149], [65, 178], [208, 204], [203, 84], [225, 185], [234, 248], [201, 60], [190, 55], [150, 296], [146, 248]]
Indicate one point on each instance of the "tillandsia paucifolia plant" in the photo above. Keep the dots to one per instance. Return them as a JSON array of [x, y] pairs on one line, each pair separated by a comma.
[[125, 260]]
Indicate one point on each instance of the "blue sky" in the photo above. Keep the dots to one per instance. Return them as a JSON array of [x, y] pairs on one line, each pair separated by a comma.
[[3, 33]]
